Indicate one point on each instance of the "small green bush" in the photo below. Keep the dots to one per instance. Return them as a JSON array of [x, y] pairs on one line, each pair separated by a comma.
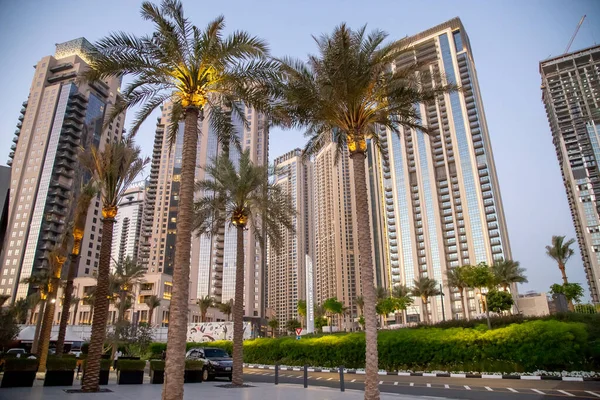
[[131, 365], [157, 365], [85, 347], [21, 364], [193, 365], [61, 364]]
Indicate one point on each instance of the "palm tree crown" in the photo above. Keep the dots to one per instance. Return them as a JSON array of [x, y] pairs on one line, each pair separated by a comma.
[[560, 251], [425, 288], [507, 272], [205, 303]]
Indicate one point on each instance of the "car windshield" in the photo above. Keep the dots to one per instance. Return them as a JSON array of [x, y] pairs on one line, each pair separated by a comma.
[[212, 353]]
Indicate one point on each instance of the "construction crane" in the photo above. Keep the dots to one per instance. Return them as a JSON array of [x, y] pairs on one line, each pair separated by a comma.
[[574, 34]]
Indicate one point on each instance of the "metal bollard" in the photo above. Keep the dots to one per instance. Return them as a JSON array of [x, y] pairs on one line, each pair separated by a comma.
[[305, 376], [277, 374], [342, 386]]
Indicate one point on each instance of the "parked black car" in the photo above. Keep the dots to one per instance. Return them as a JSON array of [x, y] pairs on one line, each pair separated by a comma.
[[217, 363]]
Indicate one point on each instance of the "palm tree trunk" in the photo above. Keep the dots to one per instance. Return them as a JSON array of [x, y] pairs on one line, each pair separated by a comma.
[[366, 274], [92, 372], [462, 303], [238, 311], [75, 309], [38, 327], [425, 310], [64, 316], [49, 314], [175, 361], [150, 312], [563, 271]]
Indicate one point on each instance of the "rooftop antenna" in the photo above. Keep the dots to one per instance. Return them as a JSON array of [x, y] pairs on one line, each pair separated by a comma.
[[574, 34]]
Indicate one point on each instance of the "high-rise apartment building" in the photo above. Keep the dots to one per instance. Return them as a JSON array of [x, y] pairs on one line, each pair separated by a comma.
[[4, 194], [128, 224], [440, 190], [286, 267], [571, 94], [60, 115]]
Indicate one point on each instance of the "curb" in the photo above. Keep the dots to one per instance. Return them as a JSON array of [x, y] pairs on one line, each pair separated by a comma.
[[435, 375]]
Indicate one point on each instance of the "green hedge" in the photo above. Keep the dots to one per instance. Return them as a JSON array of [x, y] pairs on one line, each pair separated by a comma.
[[61, 364], [131, 365], [528, 346], [193, 365], [157, 365], [21, 364]]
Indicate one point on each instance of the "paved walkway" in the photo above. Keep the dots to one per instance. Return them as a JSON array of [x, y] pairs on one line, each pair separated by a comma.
[[207, 390]]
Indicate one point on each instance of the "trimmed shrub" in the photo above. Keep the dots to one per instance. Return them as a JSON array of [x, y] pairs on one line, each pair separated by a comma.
[[131, 365], [61, 364], [193, 365], [156, 365], [21, 364]]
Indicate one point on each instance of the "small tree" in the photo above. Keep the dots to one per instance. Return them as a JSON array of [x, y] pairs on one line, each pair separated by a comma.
[[205, 303], [152, 302], [226, 308], [425, 288], [572, 291], [333, 307], [274, 325], [480, 277], [302, 310], [360, 303], [499, 301], [292, 324]]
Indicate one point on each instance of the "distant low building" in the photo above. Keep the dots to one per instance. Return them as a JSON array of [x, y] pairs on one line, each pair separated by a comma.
[[533, 304]]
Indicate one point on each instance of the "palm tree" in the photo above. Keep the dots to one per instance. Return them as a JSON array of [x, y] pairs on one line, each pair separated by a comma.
[[381, 293], [249, 201], [226, 308], [402, 295], [113, 170], [273, 324], [560, 251], [20, 308], [204, 74], [425, 288], [507, 272], [360, 303], [205, 303], [39, 280], [455, 278], [86, 194], [152, 302], [75, 303], [301, 307], [128, 274], [348, 91]]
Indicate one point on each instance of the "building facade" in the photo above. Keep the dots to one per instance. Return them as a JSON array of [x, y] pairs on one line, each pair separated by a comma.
[[128, 224], [440, 191], [286, 267], [60, 115], [571, 95]]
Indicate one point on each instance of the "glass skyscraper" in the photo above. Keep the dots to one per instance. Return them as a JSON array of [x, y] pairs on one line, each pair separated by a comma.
[[571, 94]]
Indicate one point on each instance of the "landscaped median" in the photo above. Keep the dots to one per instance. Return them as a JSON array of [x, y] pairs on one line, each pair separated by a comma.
[[518, 348]]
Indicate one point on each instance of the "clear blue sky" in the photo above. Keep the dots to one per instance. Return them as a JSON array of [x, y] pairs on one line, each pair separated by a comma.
[[509, 38]]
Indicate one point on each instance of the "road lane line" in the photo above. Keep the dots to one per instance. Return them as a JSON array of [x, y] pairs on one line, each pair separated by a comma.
[[381, 382], [567, 393], [468, 388], [446, 386], [353, 380], [329, 379], [429, 385], [395, 383], [513, 390], [489, 388], [538, 391], [412, 384], [299, 377], [592, 393], [318, 378]]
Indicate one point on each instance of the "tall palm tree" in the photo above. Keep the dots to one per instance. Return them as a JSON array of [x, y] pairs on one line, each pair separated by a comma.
[[20, 309], [560, 251], [86, 194], [226, 308], [455, 278], [39, 280], [301, 308], [204, 74], [425, 288], [152, 302], [274, 324], [205, 303], [113, 169], [348, 91], [381, 293], [250, 201], [507, 272], [402, 295]]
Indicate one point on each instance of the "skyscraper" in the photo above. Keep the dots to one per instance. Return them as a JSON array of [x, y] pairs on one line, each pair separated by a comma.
[[128, 224], [286, 268], [213, 258], [571, 94], [441, 193], [59, 115]]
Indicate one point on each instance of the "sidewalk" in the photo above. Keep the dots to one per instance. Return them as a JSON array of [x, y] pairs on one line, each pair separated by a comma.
[[193, 391]]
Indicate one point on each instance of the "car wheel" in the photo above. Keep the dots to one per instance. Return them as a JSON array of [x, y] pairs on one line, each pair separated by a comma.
[[205, 375]]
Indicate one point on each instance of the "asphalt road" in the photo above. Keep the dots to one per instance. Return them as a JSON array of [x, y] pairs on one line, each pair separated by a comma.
[[450, 388]]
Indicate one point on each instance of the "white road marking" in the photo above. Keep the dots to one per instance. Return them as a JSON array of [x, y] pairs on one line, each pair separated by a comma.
[[329, 379], [412, 384], [318, 378], [468, 388], [299, 377], [489, 388], [446, 386], [353, 380], [381, 382], [513, 390], [567, 393], [395, 383], [538, 391], [592, 393], [429, 385]]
